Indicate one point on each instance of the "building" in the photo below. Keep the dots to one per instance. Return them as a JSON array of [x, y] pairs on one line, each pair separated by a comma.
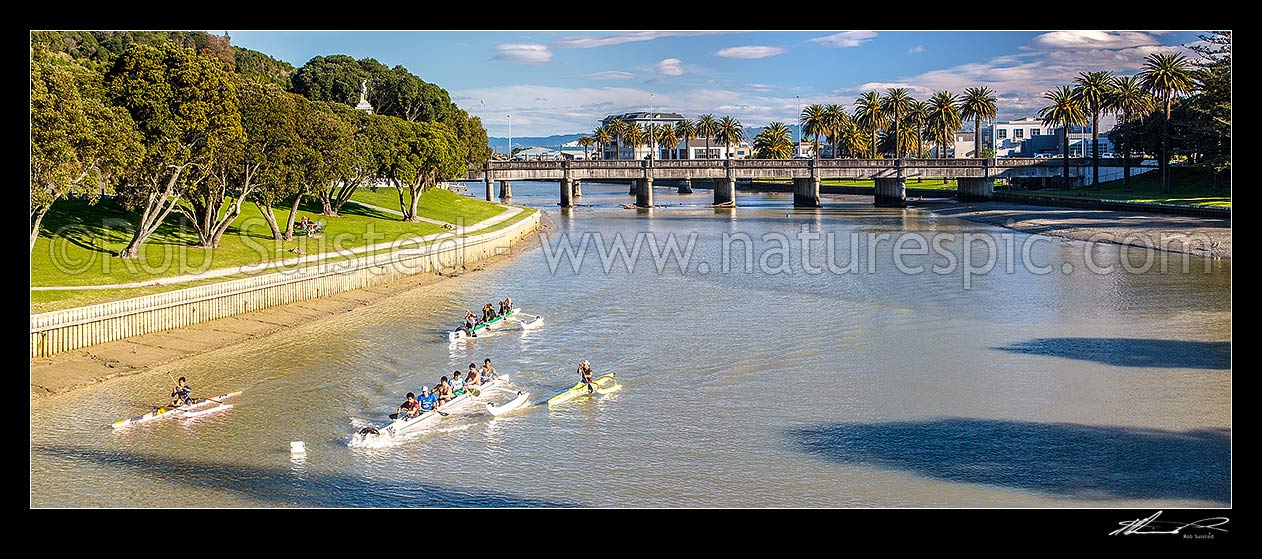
[[963, 147], [1008, 136], [537, 154], [695, 149], [644, 120], [575, 152]]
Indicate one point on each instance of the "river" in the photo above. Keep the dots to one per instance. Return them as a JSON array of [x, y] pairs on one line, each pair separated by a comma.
[[791, 385]]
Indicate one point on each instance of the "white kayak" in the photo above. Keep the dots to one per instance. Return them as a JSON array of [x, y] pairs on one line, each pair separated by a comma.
[[409, 424], [200, 406], [509, 405]]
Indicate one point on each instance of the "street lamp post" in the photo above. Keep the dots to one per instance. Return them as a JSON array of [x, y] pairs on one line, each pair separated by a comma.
[[510, 137], [652, 136], [797, 144]]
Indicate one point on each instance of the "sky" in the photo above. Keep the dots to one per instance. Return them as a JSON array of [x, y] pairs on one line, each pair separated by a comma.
[[561, 82]]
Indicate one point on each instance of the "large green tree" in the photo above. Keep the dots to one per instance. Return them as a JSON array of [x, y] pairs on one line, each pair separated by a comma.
[[897, 103], [1168, 77], [774, 142], [707, 126], [79, 142], [1210, 127], [1065, 110], [1093, 89], [944, 120], [870, 113], [730, 132], [978, 104], [186, 110], [428, 154], [814, 123], [1129, 100], [472, 143]]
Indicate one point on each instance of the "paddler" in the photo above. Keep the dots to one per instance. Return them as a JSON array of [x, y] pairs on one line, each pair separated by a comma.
[[470, 320], [508, 304], [457, 384], [585, 375], [474, 377], [427, 399], [488, 372], [409, 409], [181, 393], [444, 391]]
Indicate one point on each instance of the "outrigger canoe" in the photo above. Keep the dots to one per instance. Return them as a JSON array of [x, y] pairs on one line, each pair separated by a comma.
[[200, 406], [482, 327], [509, 405], [601, 385], [408, 424]]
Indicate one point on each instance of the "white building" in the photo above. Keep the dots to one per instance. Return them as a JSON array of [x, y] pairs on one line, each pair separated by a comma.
[[1008, 136]]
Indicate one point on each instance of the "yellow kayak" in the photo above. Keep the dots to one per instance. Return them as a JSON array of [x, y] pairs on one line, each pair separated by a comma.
[[602, 384]]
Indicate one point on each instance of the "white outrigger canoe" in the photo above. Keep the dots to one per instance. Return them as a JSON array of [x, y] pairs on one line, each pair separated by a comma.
[[502, 322], [200, 406], [509, 405], [406, 425]]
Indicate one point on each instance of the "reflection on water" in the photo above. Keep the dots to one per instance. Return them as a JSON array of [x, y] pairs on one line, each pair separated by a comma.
[[1068, 388]]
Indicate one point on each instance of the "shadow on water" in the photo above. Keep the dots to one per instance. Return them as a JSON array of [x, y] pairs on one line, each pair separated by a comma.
[[1131, 352], [283, 487], [1061, 459]]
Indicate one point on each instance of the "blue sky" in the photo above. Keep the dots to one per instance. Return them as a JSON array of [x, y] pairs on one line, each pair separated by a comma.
[[558, 82]]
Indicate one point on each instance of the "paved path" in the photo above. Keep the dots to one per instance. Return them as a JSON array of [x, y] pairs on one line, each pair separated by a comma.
[[263, 266]]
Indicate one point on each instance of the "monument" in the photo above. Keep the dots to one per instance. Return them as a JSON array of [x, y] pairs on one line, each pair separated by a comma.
[[364, 105]]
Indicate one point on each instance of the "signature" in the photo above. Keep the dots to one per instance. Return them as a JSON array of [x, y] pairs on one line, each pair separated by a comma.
[[1151, 525]]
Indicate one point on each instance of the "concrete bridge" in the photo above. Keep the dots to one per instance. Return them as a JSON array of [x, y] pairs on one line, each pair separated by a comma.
[[975, 176]]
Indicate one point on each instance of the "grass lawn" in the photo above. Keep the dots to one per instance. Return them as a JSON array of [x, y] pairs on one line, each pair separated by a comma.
[[45, 301], [1190, 187], [78, 241], [436, 203]]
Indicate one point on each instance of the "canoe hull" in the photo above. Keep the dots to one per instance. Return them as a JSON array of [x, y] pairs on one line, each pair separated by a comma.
[[202, 406], [603, 384]]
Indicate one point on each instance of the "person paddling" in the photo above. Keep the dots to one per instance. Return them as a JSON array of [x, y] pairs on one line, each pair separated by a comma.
[[427, 399], [488, 372], [409, 409], [470, 320], [181, 393], [585, 374], [474, 378], [444, 391], [457, 384]]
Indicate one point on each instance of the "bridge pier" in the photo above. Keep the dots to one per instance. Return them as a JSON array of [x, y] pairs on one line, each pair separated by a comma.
[[806, 192], [567, 193], [634, 185], [725, 192], [644, 192], [506, 190], [685, 186], [891, 193], [489, 182], [974, 189], [578, 188]]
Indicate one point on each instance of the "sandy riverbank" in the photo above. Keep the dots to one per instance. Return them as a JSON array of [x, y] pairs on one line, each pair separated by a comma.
[[68, 371], [1192, 235]]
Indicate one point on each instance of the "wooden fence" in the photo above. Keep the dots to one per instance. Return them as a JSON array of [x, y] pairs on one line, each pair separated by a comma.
[[70, 329]]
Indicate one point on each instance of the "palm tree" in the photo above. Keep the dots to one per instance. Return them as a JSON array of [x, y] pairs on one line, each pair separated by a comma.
[[1066, 110], [835, 119], [814, 123], [586, 142], [1092, 89], [635, 136], [686, 130], [774, 142], [851, 139], [868, 113], [1128, 99], [729, 131], [978, 103], [618, 129], [918, 117], [896, 104], [666, 138], [1166, 76], [944, 120], [707, 126], [602, 137]]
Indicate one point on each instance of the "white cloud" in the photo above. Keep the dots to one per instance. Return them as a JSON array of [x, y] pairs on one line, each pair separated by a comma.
[[670, 67], [750, 52], [523, 54], [916, 49], [610, 75], [913, 89], [635, 36], [760, 87], [1092, 40], [845, 39]]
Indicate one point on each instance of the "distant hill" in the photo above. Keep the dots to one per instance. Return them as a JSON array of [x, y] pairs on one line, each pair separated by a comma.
[[501, 144]]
